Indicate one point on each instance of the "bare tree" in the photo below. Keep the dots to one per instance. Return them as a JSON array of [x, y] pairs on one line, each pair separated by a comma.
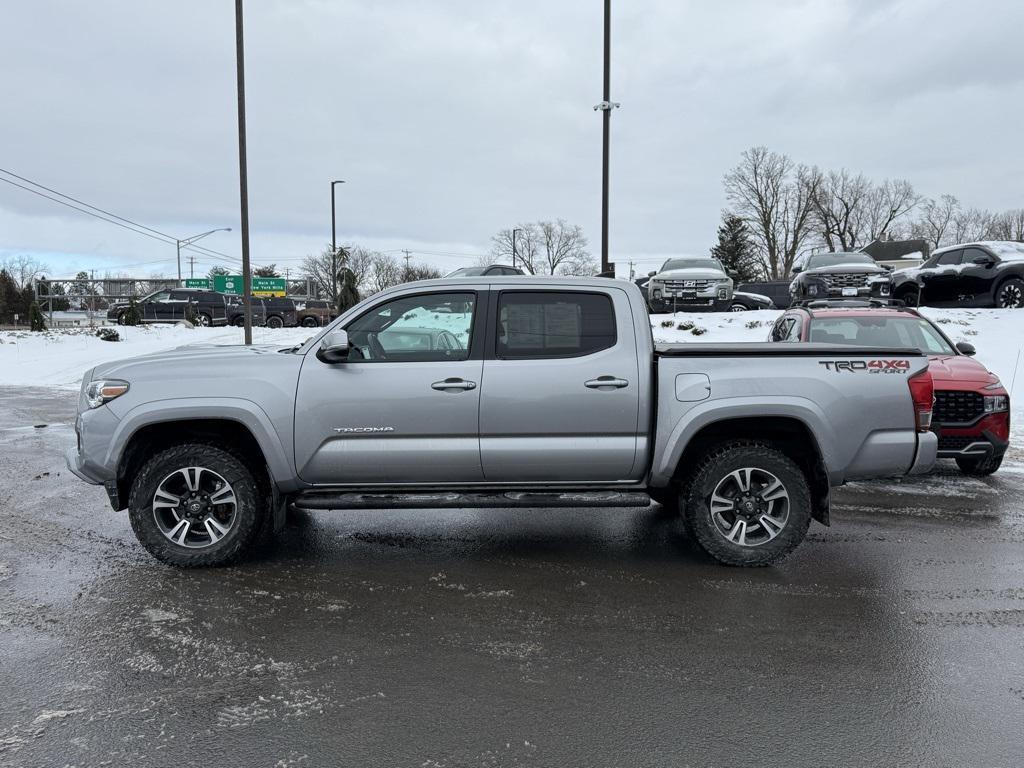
[[840, 207], [23, 269], [970, 225], [936, 217], [776, 199], [1008, 225], [546, 248], [527, 247]]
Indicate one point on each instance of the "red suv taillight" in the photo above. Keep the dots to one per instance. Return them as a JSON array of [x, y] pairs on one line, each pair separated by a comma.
[[922, 391]]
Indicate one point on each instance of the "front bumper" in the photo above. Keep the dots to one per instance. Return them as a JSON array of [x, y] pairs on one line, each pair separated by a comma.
[[709, 301], [986, 444]]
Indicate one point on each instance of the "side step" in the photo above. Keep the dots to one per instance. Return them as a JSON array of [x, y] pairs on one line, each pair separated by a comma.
[[314, 500]]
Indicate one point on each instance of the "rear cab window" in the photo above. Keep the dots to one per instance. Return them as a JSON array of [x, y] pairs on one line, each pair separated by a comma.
[[552, 324]]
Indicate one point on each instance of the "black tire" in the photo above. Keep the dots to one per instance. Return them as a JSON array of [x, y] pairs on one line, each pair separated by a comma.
[[1010, 294], [250, 508], [714, 469], [239, 322], [737, 307], [275, 322], [979, 467], [309, 322], [204, 320], [120, 318]]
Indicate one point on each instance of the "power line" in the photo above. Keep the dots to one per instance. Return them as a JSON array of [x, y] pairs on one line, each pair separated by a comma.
[[107, 216]]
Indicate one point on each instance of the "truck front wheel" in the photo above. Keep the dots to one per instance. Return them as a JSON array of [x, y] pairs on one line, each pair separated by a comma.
[[195, 505], [748, 504]]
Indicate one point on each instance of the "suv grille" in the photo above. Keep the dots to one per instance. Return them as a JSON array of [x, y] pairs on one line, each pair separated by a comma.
[[689, 285], [846, 280], [952, 407]]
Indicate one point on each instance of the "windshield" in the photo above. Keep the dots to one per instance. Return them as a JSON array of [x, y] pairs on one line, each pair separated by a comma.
[[895, 331], [835, 259], [692, 264], [467, 272]]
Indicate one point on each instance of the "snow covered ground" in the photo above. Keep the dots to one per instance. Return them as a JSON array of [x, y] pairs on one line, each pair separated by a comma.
[[59, 358]]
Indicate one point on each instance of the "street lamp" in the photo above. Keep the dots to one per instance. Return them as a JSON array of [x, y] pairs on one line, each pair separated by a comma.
[[189, 240], [334, 245], [605, 107]]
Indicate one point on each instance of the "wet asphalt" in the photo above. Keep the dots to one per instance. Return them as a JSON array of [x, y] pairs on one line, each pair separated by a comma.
[[561, 637]]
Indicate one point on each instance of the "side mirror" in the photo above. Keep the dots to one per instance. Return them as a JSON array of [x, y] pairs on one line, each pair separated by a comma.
[[334, 348], [965, 348], [888, 267], [982, 261], [797, 270], [651, 274]]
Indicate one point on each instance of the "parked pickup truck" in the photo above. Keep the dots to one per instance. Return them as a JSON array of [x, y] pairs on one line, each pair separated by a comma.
[[497, 391]]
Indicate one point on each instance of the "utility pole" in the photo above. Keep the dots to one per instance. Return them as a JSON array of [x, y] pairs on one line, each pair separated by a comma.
[[514, 231], [606, 106], [243, 175], [190, 240], [191, 266], [334, 245], [408, 255]]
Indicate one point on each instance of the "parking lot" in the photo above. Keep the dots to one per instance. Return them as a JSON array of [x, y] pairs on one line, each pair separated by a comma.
[[509, 637]]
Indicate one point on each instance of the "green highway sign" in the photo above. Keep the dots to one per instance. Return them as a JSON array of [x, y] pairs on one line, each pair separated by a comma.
[[261, 286], [197, 282]]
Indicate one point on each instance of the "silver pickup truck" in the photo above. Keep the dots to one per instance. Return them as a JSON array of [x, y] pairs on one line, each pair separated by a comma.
[[491, 392]]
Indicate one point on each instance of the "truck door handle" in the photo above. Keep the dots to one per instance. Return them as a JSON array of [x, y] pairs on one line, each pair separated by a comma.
[[453, 384], [606, 381]]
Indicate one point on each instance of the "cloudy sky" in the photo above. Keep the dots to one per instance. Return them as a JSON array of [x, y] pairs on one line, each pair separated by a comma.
[[450, 120]]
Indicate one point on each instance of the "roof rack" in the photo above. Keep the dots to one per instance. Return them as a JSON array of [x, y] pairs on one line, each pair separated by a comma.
[[839, 303]]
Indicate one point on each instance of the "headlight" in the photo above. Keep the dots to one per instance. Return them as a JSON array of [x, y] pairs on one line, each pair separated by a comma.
[[103, 391], [656, 293], [996, 403], [997, 384]]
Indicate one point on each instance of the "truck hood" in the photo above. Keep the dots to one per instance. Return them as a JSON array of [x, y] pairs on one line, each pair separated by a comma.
[[959, 368], [690, 273], [186, 360], [848, 269]]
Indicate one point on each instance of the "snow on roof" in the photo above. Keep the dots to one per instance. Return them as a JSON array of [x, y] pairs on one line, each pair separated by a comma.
[[1010, 250]]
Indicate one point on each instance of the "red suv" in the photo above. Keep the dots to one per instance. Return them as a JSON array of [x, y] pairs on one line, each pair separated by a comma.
[[972, 408]]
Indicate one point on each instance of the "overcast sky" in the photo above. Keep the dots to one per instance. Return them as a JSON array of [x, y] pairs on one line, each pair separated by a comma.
[[450, 120]]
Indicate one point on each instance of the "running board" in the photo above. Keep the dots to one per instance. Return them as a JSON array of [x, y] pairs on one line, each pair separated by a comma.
[[321, 500]]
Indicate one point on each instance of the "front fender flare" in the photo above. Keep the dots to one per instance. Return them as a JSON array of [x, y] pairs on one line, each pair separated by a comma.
[[245, 412]]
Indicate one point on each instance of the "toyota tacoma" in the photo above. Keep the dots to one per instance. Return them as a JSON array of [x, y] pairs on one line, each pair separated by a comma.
[[497, 392]]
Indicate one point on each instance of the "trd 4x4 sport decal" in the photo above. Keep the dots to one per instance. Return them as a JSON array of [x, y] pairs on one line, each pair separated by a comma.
[[871, 366]]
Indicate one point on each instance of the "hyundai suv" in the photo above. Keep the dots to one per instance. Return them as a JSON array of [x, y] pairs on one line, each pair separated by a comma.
[[839, 275], [971, 415], [692, 283]]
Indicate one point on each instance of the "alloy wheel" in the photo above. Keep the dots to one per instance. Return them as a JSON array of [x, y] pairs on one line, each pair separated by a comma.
[[1011, 296], [749, 506], [194, 507]]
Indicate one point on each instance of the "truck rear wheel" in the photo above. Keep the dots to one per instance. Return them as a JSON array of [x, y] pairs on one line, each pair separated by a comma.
[[748, 504], [195, 505]]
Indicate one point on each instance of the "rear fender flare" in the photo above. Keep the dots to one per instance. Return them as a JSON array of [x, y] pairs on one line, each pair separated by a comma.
[[710, 412]]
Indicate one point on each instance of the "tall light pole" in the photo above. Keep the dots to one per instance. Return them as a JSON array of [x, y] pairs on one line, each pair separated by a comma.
[[514, 246], [243, 174], [189, 240], [606, 106], [334, 245]]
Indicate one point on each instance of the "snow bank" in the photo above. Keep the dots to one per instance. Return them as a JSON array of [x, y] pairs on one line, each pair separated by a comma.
[[58, 358]]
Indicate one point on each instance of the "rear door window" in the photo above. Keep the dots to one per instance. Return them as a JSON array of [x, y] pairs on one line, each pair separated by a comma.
[[545, 324]]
